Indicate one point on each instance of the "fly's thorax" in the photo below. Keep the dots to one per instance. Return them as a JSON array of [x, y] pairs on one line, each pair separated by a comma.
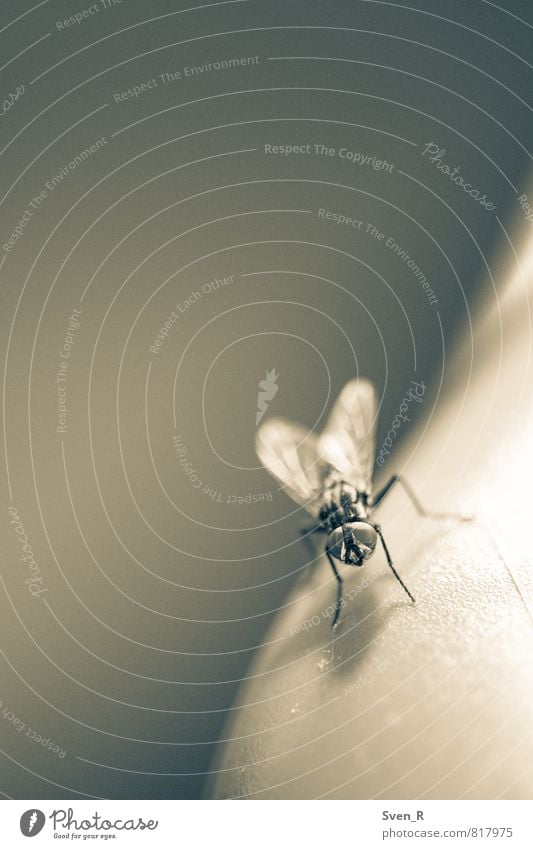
[[352, 542], [342, 502]]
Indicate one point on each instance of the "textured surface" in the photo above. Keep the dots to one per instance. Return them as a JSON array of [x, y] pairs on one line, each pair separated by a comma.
[[432, 701]]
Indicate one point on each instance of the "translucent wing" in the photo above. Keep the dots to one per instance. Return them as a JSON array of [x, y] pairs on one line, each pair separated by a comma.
[[349, 440], [290, 453]]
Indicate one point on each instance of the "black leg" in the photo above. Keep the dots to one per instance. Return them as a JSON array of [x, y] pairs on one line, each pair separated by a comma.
[[339, 590], [430, 514], [389, 561], [376, 501]]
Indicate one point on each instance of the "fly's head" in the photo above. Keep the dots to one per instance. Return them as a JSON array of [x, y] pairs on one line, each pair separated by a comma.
[[352, 543]]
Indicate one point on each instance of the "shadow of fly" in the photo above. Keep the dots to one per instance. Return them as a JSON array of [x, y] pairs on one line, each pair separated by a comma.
[[331, 476]]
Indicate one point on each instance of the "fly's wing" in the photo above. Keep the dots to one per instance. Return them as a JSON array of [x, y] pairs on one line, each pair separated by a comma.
[[290, 453], [349, 439]]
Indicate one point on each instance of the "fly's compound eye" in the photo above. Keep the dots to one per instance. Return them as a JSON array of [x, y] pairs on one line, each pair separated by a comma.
[[364, 537], [352, 543], [336, 546]]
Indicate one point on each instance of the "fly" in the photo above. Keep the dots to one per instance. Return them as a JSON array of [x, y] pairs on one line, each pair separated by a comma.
[[331, 476]]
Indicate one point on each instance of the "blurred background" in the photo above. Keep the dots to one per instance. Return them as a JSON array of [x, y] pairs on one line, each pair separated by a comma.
[[194, 195]]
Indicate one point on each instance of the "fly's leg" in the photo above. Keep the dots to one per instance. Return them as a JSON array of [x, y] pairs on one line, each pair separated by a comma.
[[305, 534], [377, 528], [421, 510], [306, 538], [338, 602]]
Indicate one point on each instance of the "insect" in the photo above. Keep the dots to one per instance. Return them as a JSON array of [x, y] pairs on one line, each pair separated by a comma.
[[331, 476]]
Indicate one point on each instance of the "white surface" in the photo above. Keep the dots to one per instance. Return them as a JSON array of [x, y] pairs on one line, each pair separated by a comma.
[[432, 701]]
